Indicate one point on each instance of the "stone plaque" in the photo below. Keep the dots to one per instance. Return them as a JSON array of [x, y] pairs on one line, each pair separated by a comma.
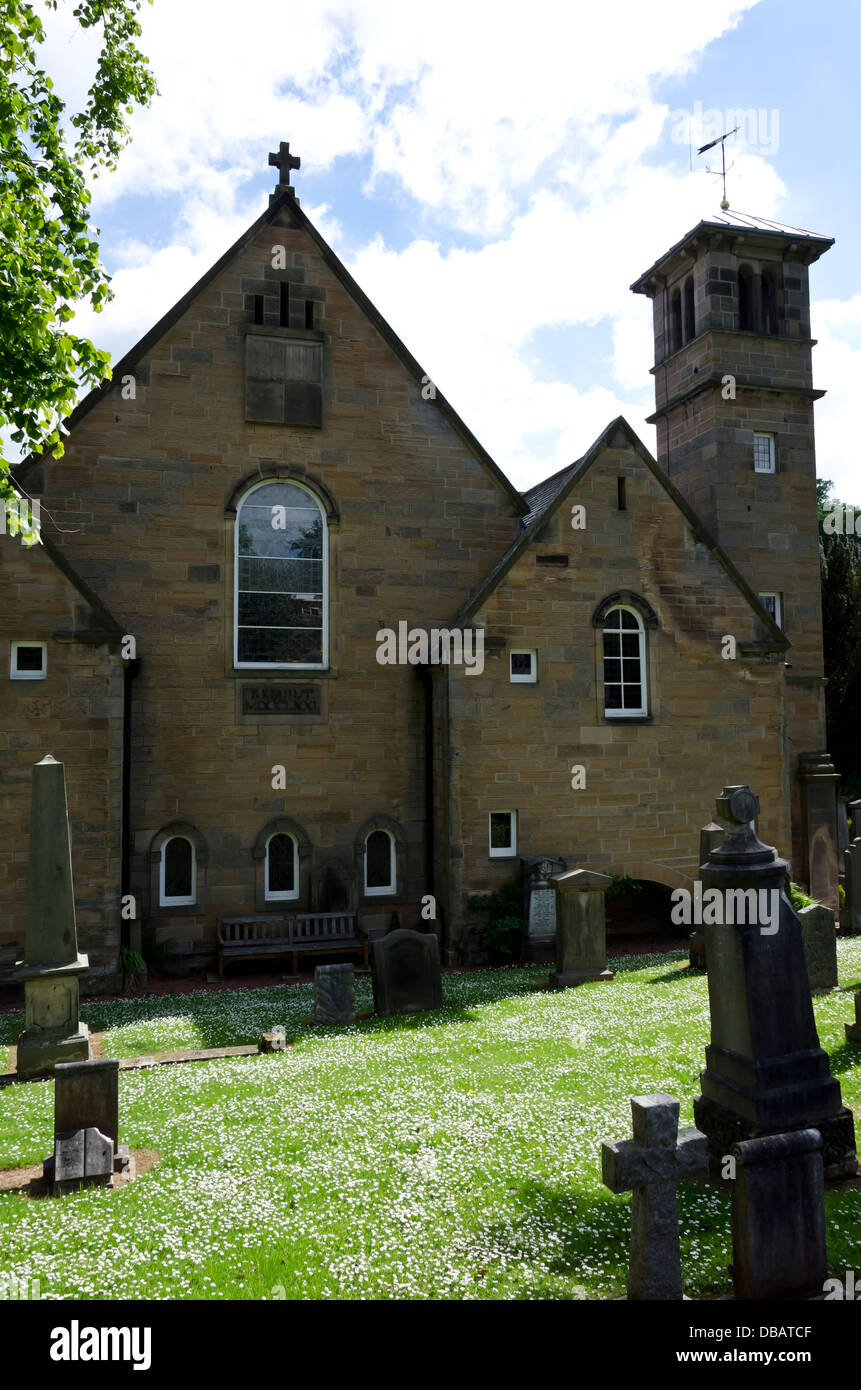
[[281, 699]]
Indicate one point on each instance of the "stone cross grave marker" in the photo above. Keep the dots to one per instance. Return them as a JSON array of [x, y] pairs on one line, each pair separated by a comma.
[[778, 1216], [406, 973], [659, 1156], [334, 994]]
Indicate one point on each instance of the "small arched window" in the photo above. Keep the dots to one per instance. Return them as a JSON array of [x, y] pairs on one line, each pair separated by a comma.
[[624, 664], [746, 299], [380, 862], [281, 578], [675, 321], [178, 873], [690, 313], [282, 868], [769, 302]]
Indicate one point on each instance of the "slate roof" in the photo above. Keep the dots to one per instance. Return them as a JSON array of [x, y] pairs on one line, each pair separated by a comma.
[[729, 220]]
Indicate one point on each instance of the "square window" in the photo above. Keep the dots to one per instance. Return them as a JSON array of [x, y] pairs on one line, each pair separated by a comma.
[[29, 661], [763, 453], [523, 667], [772, 604], [503, 834]]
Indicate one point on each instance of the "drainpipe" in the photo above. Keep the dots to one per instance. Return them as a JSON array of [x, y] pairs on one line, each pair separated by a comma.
[[427, 683], [130, 671]]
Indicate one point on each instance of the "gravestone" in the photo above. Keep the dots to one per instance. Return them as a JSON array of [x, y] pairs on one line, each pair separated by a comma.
[[819, 783], [541, 902], [710, 836], [406, 973], [334, 994], [850, 913], [853, 1030], [52, 963], [86, 1118], [659, 1156], [842, 833], [819, 938], [274, 1041], [581, 930], [765, 1070], [855, 813], [778, 1216]]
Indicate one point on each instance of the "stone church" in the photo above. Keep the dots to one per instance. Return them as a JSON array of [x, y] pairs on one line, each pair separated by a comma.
[[270, 481]]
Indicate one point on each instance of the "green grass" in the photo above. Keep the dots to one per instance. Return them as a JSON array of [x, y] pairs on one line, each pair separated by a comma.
[[454, 1155]]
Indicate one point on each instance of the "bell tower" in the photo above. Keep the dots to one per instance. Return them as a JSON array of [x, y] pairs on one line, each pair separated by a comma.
[[734, 414]]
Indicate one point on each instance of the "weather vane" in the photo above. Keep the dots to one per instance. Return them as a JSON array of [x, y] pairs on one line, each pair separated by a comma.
[[721, 140]]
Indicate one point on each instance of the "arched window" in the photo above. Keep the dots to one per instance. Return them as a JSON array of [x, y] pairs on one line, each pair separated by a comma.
[[380, 863], [624, 664], [282, 868], [690, 313], [178, 873], [746, 299], [769, 302], [675, 321], [281, 569]]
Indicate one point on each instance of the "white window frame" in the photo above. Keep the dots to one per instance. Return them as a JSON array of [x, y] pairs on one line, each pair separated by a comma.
[[392, 886], [507, 851], [778, 606], [281, 665], [164, 900], [15, 674], [523, 680], [643, 708], [274, 895], [763, 434]]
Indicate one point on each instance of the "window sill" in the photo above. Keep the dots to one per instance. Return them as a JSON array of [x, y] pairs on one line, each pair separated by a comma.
[[283, 673], [628, 719]]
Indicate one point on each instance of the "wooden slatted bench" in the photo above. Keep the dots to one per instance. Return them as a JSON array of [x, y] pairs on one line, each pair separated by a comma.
[[244, 937]]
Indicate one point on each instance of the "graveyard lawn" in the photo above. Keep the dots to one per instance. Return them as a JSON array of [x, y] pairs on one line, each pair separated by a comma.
[[454, 1154]]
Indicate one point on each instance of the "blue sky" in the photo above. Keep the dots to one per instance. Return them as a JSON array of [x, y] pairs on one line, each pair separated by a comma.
[[495, 178]]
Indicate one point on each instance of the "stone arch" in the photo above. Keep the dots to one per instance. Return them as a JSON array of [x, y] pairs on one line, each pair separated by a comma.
[[285, 474], [396, 830], [654, 873], [623, 598], [189, 831], [282, 825]]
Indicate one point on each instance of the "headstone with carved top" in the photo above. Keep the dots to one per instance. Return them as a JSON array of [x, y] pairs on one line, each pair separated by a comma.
[[52, 963]]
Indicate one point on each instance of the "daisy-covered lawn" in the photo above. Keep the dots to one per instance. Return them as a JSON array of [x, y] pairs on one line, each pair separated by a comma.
[[451, 1155]]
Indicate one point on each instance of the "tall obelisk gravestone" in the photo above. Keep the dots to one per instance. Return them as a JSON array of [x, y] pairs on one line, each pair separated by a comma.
[[765, 1071], [52, 964]]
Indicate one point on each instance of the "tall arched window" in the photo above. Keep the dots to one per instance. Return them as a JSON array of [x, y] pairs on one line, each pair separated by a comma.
[[281, 569], [769, 302], [624, 664], [690, 312], [746, 299], [380, 862], [675, 321], [282, 868], [178, 873]]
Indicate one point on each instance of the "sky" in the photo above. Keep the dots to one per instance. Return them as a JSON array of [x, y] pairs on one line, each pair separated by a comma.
[[495, 176]]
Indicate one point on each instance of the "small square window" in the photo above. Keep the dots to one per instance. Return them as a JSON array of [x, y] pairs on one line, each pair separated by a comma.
[[503, 834], [771, 603], [523, 666], [763, 453], [29, 661]]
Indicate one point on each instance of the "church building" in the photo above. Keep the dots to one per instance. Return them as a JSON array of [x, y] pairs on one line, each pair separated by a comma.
[[303, 647]]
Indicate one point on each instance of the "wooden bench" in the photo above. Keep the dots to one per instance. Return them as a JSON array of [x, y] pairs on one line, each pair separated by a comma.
[[244, 937]]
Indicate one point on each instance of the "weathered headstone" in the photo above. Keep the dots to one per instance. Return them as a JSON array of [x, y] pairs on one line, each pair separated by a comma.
[[855, 813], [541, 902], [842, 833], [581, 930], [819, 938], [819, 783], [778, 1216], [86, 1119], [850, 913], [334, 994], [765, 1070], [274, 1041], [406, 973], [52, 963], [711, 835], [853, 1030], [659, 1156]]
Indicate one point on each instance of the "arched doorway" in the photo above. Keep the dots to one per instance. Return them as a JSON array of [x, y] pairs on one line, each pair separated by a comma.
[[638, 908]]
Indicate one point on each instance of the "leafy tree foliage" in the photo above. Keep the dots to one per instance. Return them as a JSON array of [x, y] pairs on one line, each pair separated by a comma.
[[49, 256]]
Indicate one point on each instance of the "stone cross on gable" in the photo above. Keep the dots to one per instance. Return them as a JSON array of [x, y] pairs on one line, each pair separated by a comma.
[[651, 1164], [284, 161]]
